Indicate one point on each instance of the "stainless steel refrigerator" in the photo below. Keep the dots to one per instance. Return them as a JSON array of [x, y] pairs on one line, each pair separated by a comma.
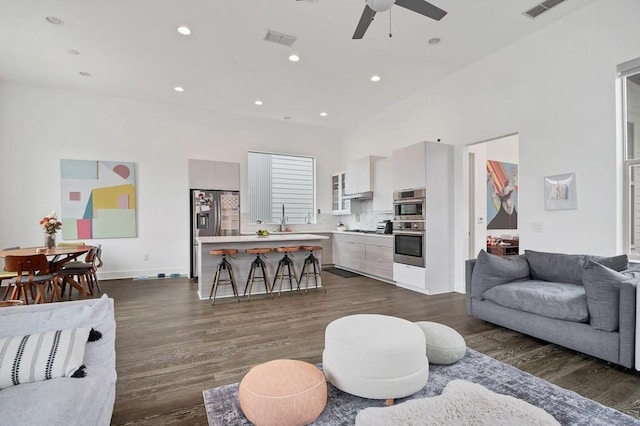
[[213, 213]]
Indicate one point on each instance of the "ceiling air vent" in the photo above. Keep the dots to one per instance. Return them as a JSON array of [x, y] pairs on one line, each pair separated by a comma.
[[276, 37], [536, 11]]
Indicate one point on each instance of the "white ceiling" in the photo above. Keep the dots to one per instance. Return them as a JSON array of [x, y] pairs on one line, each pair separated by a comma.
[[132, 50]]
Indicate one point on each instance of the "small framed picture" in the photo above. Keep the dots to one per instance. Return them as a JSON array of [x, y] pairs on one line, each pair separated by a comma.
[[560, 192]]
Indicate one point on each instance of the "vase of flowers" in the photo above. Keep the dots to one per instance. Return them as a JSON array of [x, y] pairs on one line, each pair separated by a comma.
[[50, 226]]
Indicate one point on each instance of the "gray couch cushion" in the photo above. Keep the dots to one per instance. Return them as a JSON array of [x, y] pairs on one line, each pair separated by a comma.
[[602, 286], [491, 270], [556, 267], [554, 300], [617, 263]]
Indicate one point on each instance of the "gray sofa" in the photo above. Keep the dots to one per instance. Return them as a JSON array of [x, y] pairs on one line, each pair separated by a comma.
[[582, 302], [64, 401]]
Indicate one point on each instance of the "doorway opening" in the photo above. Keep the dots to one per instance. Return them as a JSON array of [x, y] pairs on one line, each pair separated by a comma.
[[493, 195]]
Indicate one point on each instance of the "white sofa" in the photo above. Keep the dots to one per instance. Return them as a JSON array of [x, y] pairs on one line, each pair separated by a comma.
[[64, 401]]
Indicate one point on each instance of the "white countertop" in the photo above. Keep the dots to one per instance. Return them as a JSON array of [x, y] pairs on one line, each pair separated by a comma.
[[288, 236], [370, 234], [328, 231]]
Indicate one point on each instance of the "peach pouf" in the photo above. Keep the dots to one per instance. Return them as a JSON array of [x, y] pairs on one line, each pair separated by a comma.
[[283, 392]]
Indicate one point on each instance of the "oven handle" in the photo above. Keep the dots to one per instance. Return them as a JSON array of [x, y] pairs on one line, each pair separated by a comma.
[[403, 232], [410, 201]]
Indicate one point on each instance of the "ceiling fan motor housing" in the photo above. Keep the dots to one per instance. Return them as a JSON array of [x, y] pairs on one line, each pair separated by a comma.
[[380, 5]]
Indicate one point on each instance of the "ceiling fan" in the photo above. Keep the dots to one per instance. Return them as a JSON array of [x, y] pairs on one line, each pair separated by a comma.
[[373, 6]]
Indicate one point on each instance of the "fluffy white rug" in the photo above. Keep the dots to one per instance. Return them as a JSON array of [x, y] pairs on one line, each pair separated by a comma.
[[461, 403]]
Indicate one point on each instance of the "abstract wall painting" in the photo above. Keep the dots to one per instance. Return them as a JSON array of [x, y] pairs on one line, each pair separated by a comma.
[[560, 192], [98, 199], [502, 195]]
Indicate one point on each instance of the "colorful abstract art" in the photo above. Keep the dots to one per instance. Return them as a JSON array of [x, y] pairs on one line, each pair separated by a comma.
[[502, 195], [98, 199]]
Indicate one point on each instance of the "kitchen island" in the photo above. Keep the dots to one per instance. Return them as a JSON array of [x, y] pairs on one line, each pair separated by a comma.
[[241, 262]]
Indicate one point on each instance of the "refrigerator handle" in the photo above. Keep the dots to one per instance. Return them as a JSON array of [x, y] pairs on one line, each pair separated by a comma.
[[216, 208]]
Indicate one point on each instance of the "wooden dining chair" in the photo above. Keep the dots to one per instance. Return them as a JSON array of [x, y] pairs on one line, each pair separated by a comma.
[[83, 272], [7, 276], [31, 271]]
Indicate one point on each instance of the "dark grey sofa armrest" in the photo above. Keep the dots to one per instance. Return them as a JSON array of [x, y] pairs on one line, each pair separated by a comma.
[[468, 266], [627, 325]]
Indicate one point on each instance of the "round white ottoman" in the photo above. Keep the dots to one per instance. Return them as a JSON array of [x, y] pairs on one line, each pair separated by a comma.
[[375, 356], [444, 345], [284, 392]]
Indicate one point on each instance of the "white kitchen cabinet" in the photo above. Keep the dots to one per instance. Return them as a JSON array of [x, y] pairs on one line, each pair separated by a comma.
[[359, 175], [340, 205], [327, 248], [409, 167], [378, 258], [383, 185], [429, 165], [348, 252], [205, 174], [370, 255]]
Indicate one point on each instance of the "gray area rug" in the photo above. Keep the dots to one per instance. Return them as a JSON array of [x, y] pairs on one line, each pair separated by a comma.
[[566, 406]]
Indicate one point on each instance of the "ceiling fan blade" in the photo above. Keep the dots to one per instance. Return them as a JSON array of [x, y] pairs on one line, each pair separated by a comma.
[[365, 20], [422, 7]]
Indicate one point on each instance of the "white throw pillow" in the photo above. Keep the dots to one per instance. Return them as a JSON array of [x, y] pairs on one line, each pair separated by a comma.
[[42, 356]]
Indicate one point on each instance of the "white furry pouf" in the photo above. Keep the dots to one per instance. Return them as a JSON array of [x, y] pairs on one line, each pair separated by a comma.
[[461, 403]]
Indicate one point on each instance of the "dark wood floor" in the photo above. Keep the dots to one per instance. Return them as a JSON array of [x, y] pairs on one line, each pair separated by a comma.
[[171, 346]]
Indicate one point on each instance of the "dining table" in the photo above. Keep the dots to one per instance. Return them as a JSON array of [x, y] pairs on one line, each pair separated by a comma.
[[58, 256]]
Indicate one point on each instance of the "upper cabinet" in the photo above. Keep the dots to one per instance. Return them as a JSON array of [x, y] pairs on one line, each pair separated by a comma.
[[409, 167], [339, 203], [383, 185], [360, 176], [204, 174]]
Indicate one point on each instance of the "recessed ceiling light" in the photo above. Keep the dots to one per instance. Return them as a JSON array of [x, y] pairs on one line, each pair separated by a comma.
[[434, 40], [179, 89], [294, 58], [184, 30], [73, 52], [85, 74], [375, 78], [257, 102], [54, 20], [323, 114]]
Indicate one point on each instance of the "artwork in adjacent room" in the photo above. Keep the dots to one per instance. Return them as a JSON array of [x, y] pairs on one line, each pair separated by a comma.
[[502, 195], [560, 192], [98, 199]]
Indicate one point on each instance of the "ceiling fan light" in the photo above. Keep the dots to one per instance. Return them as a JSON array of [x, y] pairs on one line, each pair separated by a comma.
[[380, 5]]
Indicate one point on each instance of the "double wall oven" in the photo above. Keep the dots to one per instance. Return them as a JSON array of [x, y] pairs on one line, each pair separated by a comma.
[[409, 227]]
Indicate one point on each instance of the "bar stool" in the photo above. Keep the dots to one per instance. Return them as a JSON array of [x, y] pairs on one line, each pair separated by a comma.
[[311, 262], [287, 263], [258, 263], [222, 266]]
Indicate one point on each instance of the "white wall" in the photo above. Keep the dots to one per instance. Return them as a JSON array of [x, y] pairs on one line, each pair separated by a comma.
[[556, 89], [40, 126]]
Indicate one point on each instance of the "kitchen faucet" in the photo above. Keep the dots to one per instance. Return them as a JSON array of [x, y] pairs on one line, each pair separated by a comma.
[[283, 221]]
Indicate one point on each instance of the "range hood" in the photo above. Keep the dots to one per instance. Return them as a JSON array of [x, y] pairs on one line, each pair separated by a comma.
[[368, 195]]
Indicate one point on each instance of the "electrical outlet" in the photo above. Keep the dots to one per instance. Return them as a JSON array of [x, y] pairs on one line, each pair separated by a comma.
[[318, 211], [146, 257]]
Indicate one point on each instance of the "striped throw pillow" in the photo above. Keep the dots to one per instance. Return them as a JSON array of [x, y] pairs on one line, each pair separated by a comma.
[[42, 356]]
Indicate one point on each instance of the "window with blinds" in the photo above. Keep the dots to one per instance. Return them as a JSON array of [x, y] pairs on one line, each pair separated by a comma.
[[277, 180]]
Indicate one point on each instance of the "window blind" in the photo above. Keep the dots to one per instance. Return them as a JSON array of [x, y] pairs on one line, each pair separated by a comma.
[[276, 180]]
